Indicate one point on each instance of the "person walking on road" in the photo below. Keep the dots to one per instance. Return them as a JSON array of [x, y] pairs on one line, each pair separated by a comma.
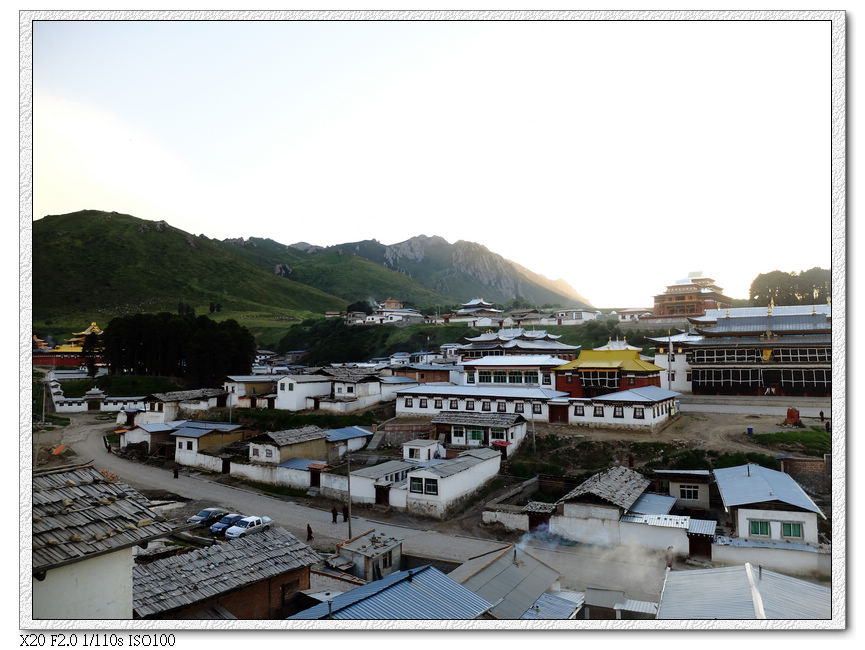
[[345, 512], [309, 536], [333, 513], [821, 416]]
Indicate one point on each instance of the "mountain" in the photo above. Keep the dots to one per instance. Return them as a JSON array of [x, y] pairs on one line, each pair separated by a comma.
[[466, 270], [94, 262]]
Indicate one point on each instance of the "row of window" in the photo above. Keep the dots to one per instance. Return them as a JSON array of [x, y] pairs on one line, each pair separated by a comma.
[[453, 405], [599, 379], [513, 377], [476, 434], [760, 528], [753, 355], [754, 376], [802, 377], [419, 485], [618, 411], [268, 453]]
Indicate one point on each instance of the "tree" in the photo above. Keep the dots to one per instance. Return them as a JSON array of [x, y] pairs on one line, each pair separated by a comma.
[[805, 288], [92, 348], [360, 305], [814, 286]]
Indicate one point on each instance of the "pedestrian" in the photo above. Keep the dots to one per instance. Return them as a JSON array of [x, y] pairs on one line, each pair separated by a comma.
[[333, 513], [345, 512], [821, 416], [176, 471], [309, 536], [828, 425]]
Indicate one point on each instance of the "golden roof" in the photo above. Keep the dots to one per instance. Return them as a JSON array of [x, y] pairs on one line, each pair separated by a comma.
[[610, 359]]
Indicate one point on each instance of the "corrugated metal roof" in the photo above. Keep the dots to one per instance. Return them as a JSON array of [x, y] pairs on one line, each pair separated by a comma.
[[702, 526], [689, 472], [639, 606], [427, 595], [347, 433], [478, 392], [550, 607], [180, 581], [650, 503], [663, 521], [618, 485], [783, 310], [513, 585], [397, 380], [388, 467], [741, 592], [478, 419], [464, 461], [773, 323], [756, 341], [517, 361], [755, 484], [258, 379], [78, 514]]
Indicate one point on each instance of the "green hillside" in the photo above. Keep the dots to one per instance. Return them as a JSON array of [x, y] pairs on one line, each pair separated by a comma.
[[337, 272], [95, 265]]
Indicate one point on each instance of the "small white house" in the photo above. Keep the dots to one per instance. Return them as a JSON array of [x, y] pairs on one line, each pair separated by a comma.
[[439, 488], [165, 407], [250, 391], [420, 450], [767, 506], [690, 487], [672, 356], [502, 431], [646, 408], [369, 556], [294, 391]]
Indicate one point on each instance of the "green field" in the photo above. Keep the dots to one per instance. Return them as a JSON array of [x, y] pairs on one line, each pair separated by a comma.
[[813, 442]]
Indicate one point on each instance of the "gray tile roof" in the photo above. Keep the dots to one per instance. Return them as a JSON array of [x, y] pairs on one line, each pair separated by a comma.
[[422, 593], [642, 395], [782, 310], [79, 514], [751, 483], [186, 395], [774, 323], [618, 485], [464, 461], [512, 585], [478, 419], [293, 436], [741, 592], [180, 581], [388, 467]]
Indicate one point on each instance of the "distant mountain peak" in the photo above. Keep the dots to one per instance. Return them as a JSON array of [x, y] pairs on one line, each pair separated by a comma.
[[306, 247]]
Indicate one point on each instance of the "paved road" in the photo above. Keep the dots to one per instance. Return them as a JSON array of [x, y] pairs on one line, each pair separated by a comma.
[[639, 573], [809, 407]]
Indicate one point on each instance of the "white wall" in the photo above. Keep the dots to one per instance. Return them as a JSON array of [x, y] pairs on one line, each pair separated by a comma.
[[335, 486], [262, 448], [98, 588], [651, 418], [134, 436], [296, 478], [680, 368], [775, 519], [295, 399], [431, 411], [654, 537], [791, 562], [450, 488], [142, 417], [194, 459], [345, 407], [604, 532], [510, 520], [702, 500]]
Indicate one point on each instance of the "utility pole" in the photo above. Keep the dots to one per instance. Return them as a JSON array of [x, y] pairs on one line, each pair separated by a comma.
[[348, 459], [669, 358], [534, 447]]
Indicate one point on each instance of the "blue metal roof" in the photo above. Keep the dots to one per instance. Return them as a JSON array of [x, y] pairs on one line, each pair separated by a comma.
[[346, 433], [756, 484], [653, 504], [642, 394], [299, 463], [424, 593]]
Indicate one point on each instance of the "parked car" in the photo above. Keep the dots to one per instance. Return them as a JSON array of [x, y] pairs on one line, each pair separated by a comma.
[[248, 526], [207, 516], [225, 523]]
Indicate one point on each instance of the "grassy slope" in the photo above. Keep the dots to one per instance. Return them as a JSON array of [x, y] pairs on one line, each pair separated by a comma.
[[95, 265], [339, 273]]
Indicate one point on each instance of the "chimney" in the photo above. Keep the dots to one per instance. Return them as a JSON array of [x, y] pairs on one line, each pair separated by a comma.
[[759, 572], [330, 608]]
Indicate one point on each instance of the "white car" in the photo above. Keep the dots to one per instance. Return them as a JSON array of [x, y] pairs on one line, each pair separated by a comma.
[[247, 526]]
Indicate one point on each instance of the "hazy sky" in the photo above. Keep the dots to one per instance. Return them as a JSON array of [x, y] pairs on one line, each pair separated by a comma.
[[616, 155]]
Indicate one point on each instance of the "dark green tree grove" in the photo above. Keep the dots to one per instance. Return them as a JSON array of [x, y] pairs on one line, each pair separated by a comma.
[[805, 288]]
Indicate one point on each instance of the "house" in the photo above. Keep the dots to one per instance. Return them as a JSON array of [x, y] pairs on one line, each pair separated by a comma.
[[423, 593], [369, 556], [741, 592], [295, 391], [420, 450], [690, 487], [274, 447], [767, 506], [84, 531], [516, 341], [253, 577], [526, 317], [450, 351], [438, 488], [459, 430], [513, 370], [528, 401], [355, 389], [373, 484], [575, 316], [473, 311], [192, 438], [512, 579], [165, 407], [598, 372], [250, 391], [390, 303], [346, 439], [94, 399], [426, 373], [156, 436], [633, 314], [648, 408]]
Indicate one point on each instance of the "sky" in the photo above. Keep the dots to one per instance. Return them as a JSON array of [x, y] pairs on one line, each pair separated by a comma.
[[618, 156]]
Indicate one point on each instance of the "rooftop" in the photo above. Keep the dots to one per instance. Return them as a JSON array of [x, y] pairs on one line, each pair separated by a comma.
[[293, 436], [741, 592], [78, 514], [421, 593], [347, 433], [186, 395], [371, 543], [478, 419], [551, 607], [751, 483], [180, 581], [643, 394], [618, 485], [517, 360], [466, 460], [627, 359], [478, 392]]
